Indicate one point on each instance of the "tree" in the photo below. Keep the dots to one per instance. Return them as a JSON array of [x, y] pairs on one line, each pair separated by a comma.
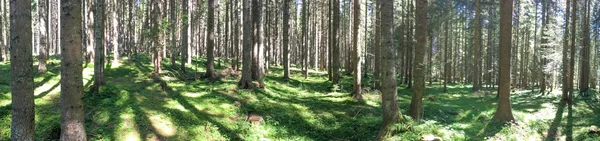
[[258, 48], [504, 111], [565, 88], [99, 53], [335, 45], [446, 50], [210, 40], [584, 79], [157, 35], [572, 51], [391, 113], [42, 35], [71, 102], [246, 81], [184, 36], [286, 46], [356, 91], [416, 104], [23, 107], [476, 47]]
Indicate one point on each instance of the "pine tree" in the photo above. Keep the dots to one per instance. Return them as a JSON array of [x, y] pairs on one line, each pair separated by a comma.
[[71, 102], [23, 107]]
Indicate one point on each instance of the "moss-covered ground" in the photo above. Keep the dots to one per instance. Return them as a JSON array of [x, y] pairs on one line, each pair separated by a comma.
[[134, 106]]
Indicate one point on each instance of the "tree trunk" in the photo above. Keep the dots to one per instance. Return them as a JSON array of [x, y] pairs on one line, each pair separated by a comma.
[[336, 47], [158, 36], [357, 94], [42, 35], [286, 46], [210, 40], [416, 104], [23, 107], [584, 78], [184, 36], [99, 45], [446, 50], [304, 38], [565, 59], [258, 42], [572, 56], [391, 113], [71, 102], [246, 81], [477, 45], [504, 111]]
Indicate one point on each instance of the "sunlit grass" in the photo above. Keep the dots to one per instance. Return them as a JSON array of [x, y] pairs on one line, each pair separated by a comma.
[[133, 106]]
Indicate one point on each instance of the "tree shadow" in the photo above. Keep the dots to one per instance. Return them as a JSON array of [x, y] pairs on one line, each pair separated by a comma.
[[202, 115], [47, 91], [569, 127], [558, 117], [491, 129]]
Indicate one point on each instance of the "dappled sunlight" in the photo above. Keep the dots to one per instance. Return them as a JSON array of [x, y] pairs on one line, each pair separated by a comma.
[[126, 129], [162, 124]]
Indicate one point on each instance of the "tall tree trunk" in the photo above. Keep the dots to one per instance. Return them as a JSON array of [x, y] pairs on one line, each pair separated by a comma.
[[71, 102], [376, 45], [572, 56], [304, 38], [246, 81], [584, 79], [99, 45], [356, 91], [477, 45], [416, 104], [504, 111], [286, 46], [565, 59], [42, 35], [210, 40], [446, 50], [336, 47], [391, 113], [258, 42], [184, 36], [23, 107]]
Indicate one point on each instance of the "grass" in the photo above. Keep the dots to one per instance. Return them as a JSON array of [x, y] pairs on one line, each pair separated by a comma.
[[133, 106]]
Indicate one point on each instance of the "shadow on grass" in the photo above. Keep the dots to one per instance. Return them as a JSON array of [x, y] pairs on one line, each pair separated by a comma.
[[558, 117]]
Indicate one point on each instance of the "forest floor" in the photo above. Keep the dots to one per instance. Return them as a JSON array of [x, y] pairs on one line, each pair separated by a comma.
[[134, 106]]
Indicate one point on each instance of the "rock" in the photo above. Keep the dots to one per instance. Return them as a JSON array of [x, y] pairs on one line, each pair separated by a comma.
[[430, 138], [594, 130]]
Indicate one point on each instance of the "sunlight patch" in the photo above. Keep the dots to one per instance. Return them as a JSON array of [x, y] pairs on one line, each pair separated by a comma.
[[127, 127], [192, 95], [163, 125], [175, 105]]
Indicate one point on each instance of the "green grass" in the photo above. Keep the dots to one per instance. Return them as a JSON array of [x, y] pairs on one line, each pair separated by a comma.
[[133, 106]]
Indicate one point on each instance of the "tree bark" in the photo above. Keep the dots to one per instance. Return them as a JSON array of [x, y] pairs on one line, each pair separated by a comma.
[[336, 48], [504, 111], [42, 35], [391, 113], [572, 56], [23, 107], [210, 40], [246, 81], [416, 104], [356, 91], [477, 45], [286, 46], [184, 36], [565, 88], [71, 102], [99, 45]]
